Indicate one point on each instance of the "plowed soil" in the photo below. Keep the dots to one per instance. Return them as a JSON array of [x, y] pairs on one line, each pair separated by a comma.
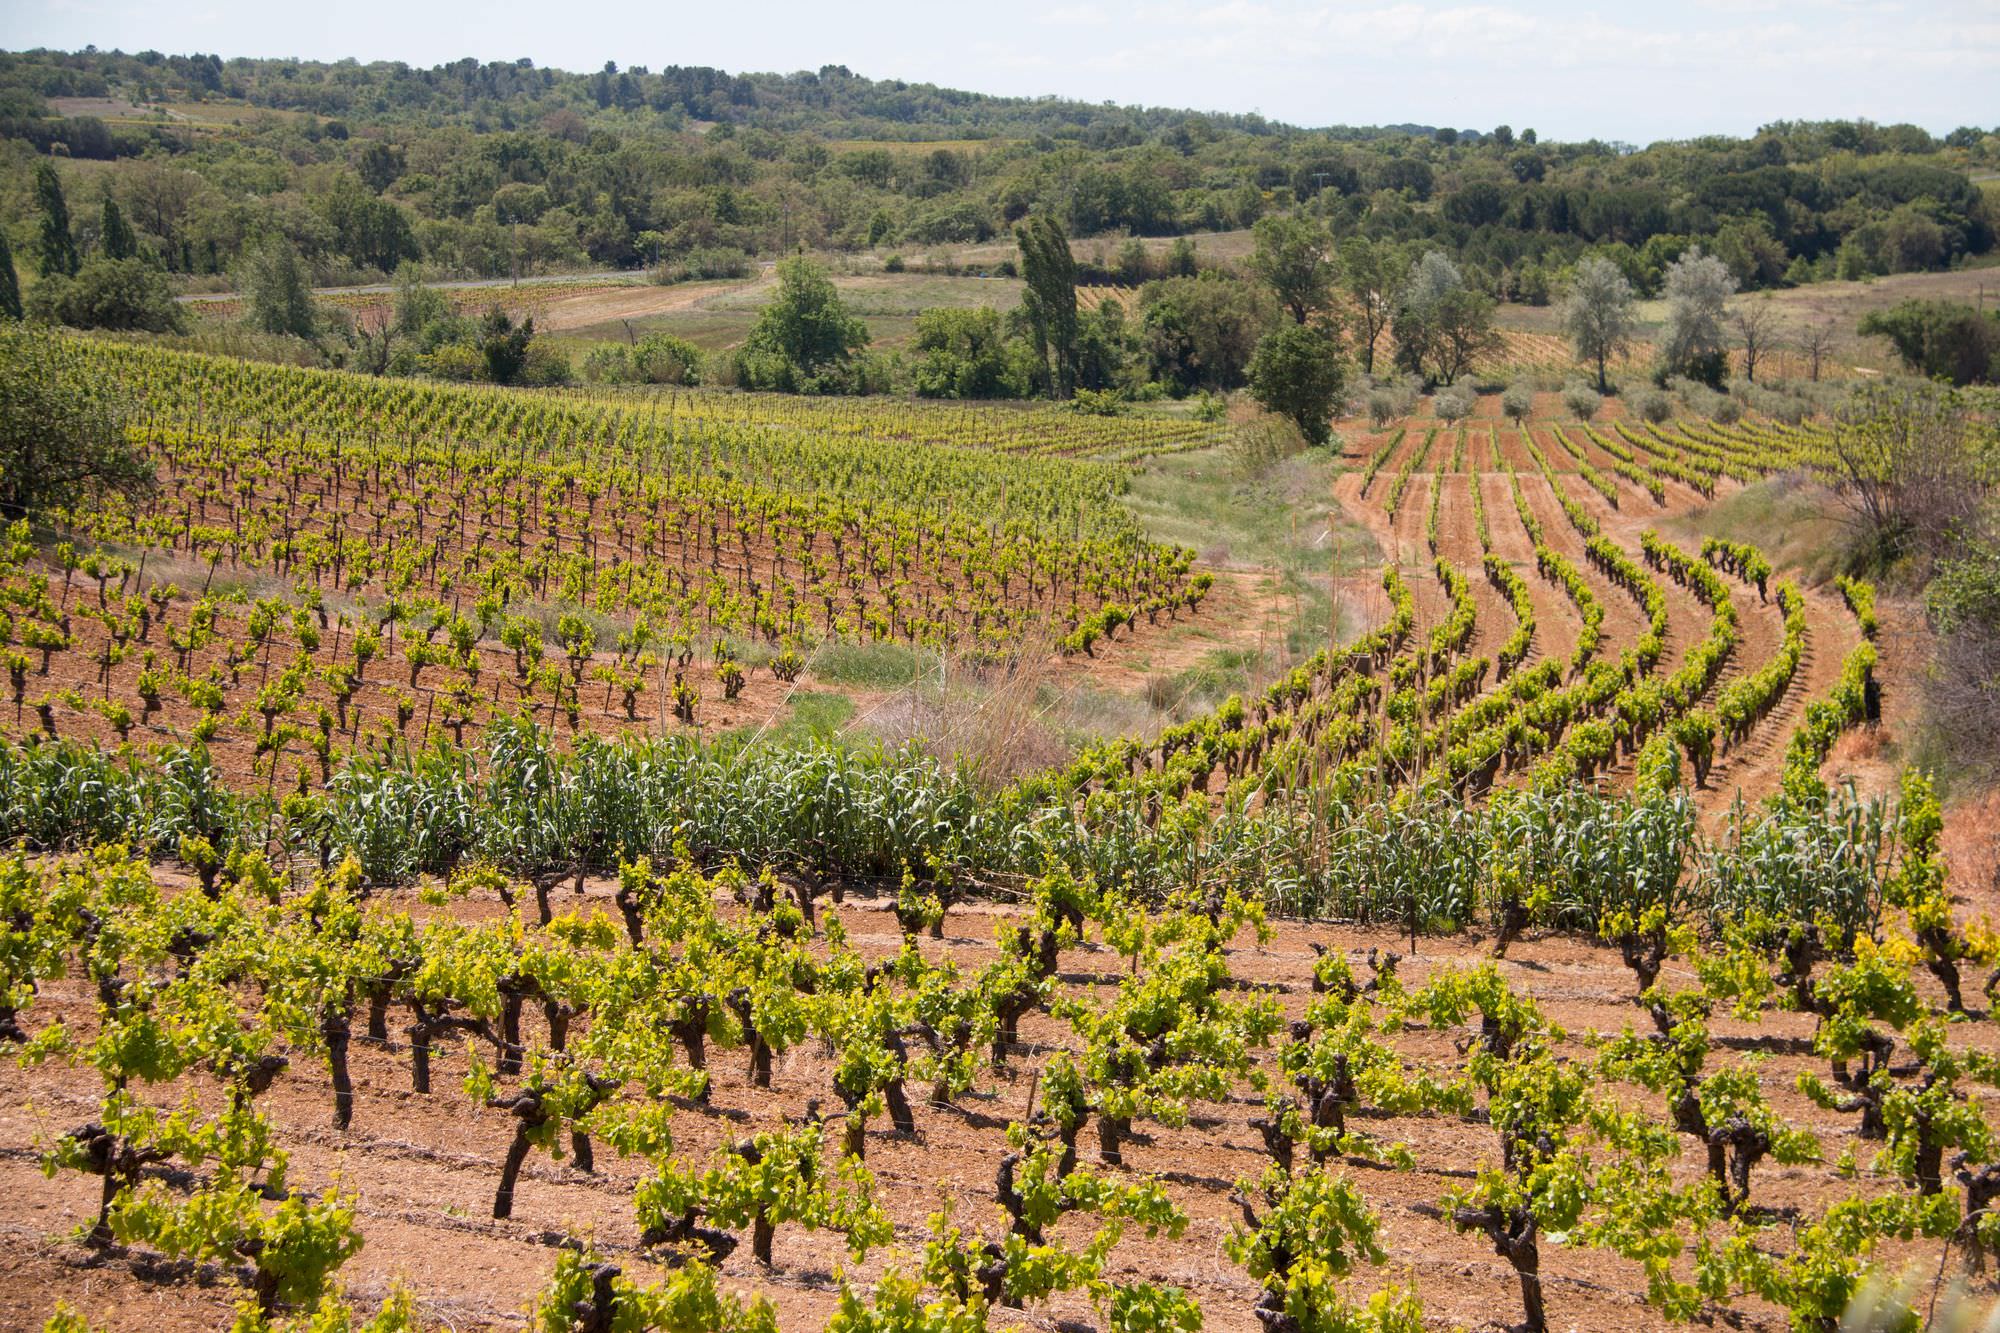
[[423, 1168], [1753, 768]]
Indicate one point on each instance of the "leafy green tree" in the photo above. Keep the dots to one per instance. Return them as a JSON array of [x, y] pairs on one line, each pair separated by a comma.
[[1597, 315], [1301, 372], [421, 311], [1946, 340], [804, 340], [1049, 270], [58, 252], [1371, 273], [964, 355], [1106, 347], [1200, 333], [1294, 257], [278, 291], [10, 284], [125, 294], [116, 233], [504, 344]]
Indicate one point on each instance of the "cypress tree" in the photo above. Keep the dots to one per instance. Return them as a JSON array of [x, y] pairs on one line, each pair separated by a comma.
[[59, 256], [1049, 271], [119, 240], [10, 286]]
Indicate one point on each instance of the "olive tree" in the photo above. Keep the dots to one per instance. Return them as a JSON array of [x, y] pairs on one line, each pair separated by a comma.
[[1442, 325], [1597, 315], [62, 432], [1694, 341]]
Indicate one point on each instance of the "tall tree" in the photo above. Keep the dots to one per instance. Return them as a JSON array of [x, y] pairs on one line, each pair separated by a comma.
[[116, 233], [1693, 341], [803, 340], [10, 285], [1294, 256], [1442, 325], [1370, 272], [1597, 314], [1200, 333], [1300, 371], [1757, 331], [279, 295], [504, 344], [1049, 271], [1817, 342], [59, 255]]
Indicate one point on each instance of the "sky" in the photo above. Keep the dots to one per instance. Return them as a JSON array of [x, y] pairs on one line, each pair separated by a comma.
[[1630, 72]]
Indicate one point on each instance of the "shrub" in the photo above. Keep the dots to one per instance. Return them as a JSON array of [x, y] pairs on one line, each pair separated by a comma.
[[62, 430], [893, 264], [1947, 340], [543, 365], [608, 363], [1267, 440], [1098, 403], [1654, 406], [1696, 396], [1582, 401], [1383, 407], [661, 359], [1453, 403], [705, 264], [1786, 409], [126, 294], [1518, 402], [460, 362]]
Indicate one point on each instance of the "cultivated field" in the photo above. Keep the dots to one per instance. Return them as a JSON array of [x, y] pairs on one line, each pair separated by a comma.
[[401, 913], [420, 1170]]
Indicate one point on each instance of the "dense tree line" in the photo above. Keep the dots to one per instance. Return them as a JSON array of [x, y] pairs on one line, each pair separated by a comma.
[[508, 167]]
